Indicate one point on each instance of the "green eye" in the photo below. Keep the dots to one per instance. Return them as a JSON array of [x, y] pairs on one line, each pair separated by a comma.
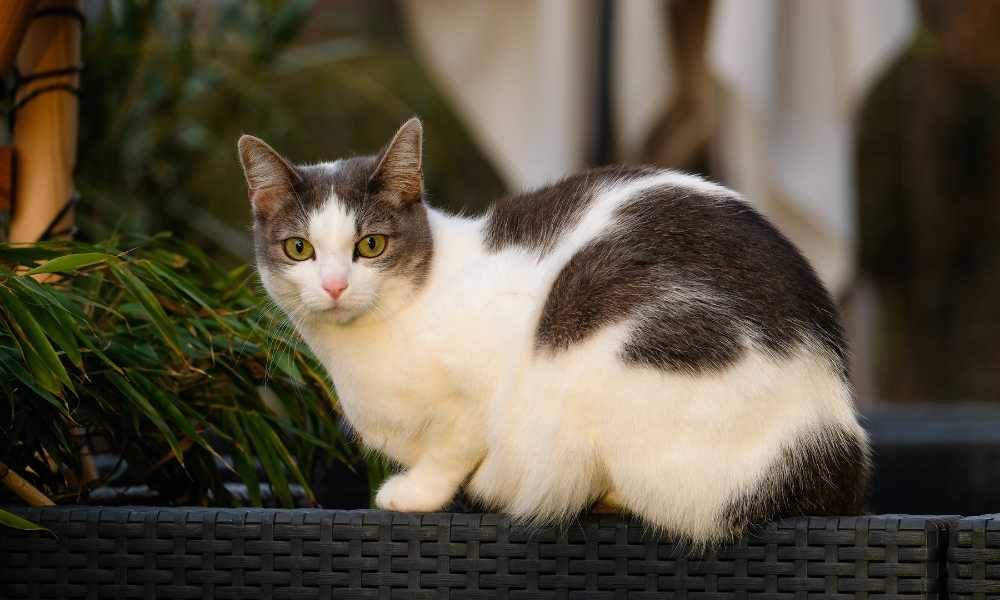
[[371, 246], [299, 249]]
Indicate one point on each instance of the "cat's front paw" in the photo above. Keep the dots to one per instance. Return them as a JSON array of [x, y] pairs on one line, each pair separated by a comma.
[[403, 493]]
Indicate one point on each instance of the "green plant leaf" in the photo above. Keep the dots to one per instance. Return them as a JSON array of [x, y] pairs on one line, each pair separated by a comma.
[[269, 457], [9, 519], [283, 360], [245, 466], [141, 294], [35, 337], [133, 386], [132, 394], [70, 262], [286, 457], [13, 366], [62, 331]]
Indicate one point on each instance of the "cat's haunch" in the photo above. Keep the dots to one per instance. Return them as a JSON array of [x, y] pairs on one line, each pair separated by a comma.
[[629, 335]]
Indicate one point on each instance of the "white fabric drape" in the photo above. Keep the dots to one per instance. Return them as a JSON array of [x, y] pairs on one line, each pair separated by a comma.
[[521, 73], [791, 74]]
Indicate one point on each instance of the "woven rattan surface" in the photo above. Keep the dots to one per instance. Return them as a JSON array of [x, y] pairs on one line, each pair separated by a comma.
[[264, 553], [974, 558]]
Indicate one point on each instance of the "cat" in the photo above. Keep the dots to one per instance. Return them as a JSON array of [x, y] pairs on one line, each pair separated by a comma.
[[631, 336]]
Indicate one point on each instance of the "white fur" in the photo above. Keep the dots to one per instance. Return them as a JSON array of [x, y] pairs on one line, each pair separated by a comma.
[[448, 383]]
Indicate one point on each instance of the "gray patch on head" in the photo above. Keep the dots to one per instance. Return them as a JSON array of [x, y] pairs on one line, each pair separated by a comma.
[[697, 275], [410, 246], [536, 220]]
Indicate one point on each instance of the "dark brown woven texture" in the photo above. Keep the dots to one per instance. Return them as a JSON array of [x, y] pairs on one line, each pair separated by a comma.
[[263, 553], [974, 558]]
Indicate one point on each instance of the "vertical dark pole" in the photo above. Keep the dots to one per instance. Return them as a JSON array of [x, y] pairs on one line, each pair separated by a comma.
[[603, 140]]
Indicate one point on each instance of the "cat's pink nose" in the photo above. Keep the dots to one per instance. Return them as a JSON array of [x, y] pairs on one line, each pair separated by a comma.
[[335, 288]]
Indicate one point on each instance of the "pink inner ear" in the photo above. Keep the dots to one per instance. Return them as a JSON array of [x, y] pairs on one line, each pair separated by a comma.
[[262, 201]]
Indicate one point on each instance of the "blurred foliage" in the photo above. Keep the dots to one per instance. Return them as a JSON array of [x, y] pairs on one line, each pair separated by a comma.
[[169, 86], [159, 354], [929, 208]]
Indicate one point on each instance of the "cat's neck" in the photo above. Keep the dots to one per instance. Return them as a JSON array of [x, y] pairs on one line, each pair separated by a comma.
[[458, 244]]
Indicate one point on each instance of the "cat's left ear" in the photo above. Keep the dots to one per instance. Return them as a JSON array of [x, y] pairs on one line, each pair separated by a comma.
[[399, 169], [269, 175]]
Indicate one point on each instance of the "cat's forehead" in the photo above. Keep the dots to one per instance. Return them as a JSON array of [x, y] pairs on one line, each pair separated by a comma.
[[344, 182], [332, 223]]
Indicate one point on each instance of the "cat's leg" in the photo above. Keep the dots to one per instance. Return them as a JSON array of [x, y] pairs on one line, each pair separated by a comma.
[[609, 503], [430, 483]]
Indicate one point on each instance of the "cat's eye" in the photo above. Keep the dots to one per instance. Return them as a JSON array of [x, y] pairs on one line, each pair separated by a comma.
[[371, 246], [299, 249]]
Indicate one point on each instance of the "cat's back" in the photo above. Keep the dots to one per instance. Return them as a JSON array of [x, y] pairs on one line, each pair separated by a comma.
[[699, 273]]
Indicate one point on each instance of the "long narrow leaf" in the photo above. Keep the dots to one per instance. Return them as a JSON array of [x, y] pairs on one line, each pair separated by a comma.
[[286, 457], [70, 262], [147, 409], [245, 466], [12, 366], [35, 336], [9, 519], [269, 457], [141, 294], [61, 331]]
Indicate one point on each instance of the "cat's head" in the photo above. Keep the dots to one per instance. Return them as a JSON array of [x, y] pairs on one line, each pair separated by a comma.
[[336, 241]]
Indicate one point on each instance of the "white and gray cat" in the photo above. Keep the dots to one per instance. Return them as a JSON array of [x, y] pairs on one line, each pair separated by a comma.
[[628, 335]]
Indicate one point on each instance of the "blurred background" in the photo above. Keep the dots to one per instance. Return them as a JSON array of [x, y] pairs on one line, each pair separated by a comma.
[[868, 131]]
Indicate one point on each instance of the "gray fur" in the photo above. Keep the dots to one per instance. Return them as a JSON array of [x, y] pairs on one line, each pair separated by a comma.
[[536, 220], [699, 274], [824, 473]]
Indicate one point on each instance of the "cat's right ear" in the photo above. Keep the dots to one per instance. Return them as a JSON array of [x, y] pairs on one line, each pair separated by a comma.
[[269, 176]]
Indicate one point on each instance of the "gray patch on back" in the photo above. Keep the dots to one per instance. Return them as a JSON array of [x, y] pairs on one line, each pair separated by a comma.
[[697, 274], [536, 220]]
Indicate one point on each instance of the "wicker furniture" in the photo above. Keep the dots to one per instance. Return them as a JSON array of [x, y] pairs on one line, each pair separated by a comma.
[[265, 553], [974, 558]]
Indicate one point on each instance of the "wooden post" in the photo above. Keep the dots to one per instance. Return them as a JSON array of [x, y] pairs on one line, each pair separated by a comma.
[[14, 16], [45, 129]]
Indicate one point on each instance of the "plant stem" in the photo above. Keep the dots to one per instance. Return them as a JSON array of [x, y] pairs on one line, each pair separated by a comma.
[[22, 488]]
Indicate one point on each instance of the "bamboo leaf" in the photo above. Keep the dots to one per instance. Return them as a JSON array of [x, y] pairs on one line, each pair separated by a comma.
[[186, 289], [62, 331], [70, 262], [176, 416], [35, 336], [268, 457], [141, 294], [140, 401], [245, 466], [286, 457], [11, 364], [9, 519], [283, 360]]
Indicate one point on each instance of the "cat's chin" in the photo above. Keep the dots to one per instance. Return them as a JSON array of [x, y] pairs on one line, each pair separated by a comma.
[[339, 315]]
